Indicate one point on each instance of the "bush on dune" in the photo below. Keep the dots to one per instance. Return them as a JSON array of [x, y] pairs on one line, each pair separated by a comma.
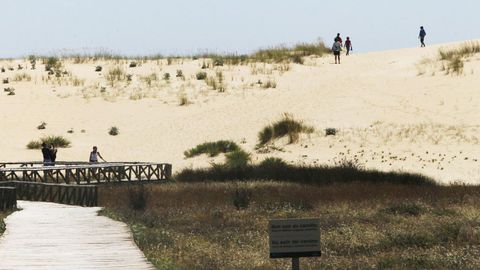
[[57, 141], [212, 148], [277, 169], [287, 126]]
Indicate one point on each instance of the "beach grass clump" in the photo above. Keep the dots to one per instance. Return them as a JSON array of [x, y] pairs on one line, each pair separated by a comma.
[[22, 77], [237, 159], [113, 131], [183, 99], [212, 149], [115, 74], [287, 126], [201, 75], [269, 84], [42, 125], [57, 141], [52, 64], [456, 57], [149, 79]]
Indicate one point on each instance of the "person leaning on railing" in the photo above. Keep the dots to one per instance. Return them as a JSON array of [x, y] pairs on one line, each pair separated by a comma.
[[94, 155]]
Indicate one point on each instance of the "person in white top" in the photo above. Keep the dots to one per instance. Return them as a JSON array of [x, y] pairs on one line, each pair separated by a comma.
[[94, 155]]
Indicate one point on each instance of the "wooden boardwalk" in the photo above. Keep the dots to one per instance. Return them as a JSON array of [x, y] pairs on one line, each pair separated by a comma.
[[54, 236]]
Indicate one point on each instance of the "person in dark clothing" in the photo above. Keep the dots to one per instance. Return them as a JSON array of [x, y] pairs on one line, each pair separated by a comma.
[[421, 36], [53, 154], [47, 158], [339, 39], [348, 45]]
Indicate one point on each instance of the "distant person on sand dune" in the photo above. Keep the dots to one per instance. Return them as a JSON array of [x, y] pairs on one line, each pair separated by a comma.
[[94, 155], [348, 45], [336, 49], [421, 36], [338, 38]]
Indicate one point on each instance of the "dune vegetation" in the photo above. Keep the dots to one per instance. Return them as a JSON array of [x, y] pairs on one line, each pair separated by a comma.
[[364, 225]]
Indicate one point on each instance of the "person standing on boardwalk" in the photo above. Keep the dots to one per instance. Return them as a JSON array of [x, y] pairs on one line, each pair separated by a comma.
[[336, 49], [421, 36], [53, 154], [94, 155], [348, 45], [47, 158]]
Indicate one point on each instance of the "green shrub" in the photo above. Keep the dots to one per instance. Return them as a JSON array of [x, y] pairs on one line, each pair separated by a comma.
[[42, 125], [330, 132], [201, 75], [237, 159], [114, 131], [115, 74], [52, 63], [284, 127], [57, 141], [166, 76], [273, 163], [212, 148]]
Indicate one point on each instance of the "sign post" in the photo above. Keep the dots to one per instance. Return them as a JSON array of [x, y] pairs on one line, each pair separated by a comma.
[[294, 238]]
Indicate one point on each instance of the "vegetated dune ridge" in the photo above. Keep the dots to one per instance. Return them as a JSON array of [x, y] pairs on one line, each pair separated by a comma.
[[392, 110]]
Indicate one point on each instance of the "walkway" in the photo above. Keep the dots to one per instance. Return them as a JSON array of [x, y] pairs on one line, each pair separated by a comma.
[[54, 236]]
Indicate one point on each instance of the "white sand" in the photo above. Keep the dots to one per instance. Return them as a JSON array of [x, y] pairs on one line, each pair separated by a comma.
[[377, 101]]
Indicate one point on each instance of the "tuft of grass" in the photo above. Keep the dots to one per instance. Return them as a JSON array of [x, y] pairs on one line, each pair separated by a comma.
[[212, 148], [149, 79], [57, 141], [237, 159], [284, 127], [183, 100], [330, 131], [52, 64], [409, 209], [269, 84], [166, 76], [455, 58], [42, 125], [201, 75], [115, 74], [114, 131], [22, 77]]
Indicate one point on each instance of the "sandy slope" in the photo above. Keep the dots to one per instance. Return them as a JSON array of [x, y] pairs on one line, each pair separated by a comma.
[[380, 104]]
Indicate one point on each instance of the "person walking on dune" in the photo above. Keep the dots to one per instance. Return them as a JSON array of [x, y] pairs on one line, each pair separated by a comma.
[[421, 36], [338, 38], [336, 49], [348, 46], [94, 155]]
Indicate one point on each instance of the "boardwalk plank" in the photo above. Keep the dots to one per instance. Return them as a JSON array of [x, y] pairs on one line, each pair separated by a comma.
[[55, 236]]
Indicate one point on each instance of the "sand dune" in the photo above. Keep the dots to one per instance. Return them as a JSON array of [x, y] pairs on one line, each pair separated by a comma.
[[392, 112]]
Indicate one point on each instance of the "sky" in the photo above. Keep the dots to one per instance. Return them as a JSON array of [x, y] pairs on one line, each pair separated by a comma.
[[147, 27]]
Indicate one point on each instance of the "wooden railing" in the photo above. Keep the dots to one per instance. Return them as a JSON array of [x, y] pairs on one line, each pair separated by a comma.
[[8, 198], [84, 173], [84, 195]]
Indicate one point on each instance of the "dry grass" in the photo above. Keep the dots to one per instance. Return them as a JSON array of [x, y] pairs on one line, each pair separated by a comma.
[[363, 225]]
